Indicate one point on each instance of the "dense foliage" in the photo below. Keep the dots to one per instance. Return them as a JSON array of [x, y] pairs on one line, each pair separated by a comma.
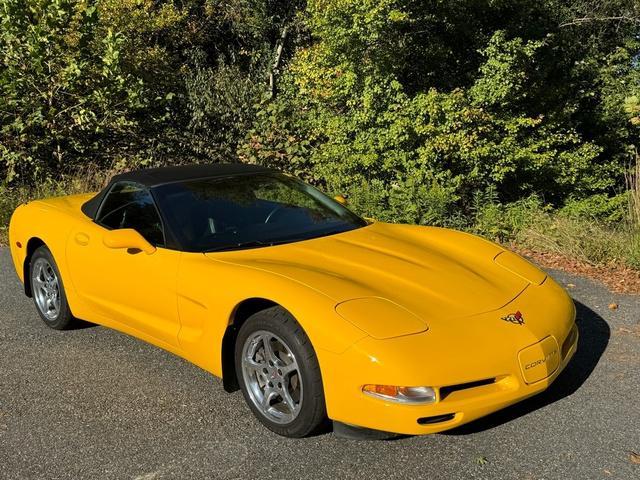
[[418, 108], [423, 111], [124, 82]]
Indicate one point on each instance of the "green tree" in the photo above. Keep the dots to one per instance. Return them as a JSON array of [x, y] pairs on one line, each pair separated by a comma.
[[64, 96], [419, 151]]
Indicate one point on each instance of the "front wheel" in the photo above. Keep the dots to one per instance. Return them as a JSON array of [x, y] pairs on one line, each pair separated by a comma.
[[279, 374], [48, 291]]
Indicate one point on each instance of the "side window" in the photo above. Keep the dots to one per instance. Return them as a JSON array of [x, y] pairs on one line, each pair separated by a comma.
[[129, 205]]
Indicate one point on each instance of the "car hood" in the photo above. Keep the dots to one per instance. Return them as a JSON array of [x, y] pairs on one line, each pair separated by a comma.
[[433, 272]]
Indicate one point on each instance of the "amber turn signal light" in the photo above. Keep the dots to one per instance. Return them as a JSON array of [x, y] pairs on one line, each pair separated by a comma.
[[401, 394]]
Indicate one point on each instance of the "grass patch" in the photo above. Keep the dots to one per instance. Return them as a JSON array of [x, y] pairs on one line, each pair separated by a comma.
[[589, 241], [596, 237]]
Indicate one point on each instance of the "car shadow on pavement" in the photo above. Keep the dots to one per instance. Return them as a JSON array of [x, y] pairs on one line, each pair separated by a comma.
[[79, 324], [592, 342]]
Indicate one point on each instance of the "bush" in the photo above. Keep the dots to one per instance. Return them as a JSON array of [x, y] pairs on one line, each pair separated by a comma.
[[409, 202], [424, 147], [64, 96], [610, 210], [504, 223]]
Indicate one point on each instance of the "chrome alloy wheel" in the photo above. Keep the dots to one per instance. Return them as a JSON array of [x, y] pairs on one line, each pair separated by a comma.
[[46, 288], [272, 377]]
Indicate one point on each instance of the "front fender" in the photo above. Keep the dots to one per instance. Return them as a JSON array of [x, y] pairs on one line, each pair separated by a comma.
[[210, 289]]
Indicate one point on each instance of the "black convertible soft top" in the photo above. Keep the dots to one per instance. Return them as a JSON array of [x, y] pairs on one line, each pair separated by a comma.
[[152, 177]]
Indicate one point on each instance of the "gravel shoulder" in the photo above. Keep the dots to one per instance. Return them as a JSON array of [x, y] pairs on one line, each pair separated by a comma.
[[92, 403]]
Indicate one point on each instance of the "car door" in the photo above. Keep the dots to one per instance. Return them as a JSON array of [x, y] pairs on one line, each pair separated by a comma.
[[127, 286]]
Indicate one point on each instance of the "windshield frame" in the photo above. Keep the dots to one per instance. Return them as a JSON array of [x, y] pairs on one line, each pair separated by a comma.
[[170, 226]]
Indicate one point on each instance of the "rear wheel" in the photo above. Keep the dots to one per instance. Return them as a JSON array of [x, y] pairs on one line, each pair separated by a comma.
[[48, 291], [278, 373]]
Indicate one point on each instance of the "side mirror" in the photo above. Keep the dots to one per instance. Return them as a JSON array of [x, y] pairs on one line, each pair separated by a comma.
[[340, 199], [127, 238]]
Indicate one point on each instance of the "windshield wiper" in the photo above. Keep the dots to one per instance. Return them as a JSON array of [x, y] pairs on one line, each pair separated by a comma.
[[335, 231], [252, 243], [239, 245], [270, 243]]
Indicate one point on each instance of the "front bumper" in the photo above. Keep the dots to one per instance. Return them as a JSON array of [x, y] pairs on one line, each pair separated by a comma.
[[476, 366]]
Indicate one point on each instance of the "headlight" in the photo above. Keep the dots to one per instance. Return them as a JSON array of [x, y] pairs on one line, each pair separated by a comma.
[[380, 318], [401, 394], [521, 267]]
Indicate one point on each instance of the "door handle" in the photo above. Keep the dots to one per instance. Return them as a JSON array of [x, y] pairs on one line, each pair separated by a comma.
[[82, 239]]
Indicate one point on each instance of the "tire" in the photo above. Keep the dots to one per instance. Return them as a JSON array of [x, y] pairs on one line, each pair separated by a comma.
[[47, 290], [283, 388]]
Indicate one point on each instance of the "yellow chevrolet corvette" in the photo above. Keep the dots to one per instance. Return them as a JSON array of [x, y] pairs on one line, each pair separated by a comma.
[[313, 312]]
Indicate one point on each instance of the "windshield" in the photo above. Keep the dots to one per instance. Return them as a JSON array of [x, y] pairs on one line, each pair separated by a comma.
[[248, 211]]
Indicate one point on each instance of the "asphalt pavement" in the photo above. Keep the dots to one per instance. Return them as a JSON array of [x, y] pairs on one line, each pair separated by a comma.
[[93, 403]]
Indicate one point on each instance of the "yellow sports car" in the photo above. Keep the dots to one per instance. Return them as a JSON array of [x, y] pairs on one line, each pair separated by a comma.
[[313, 312]]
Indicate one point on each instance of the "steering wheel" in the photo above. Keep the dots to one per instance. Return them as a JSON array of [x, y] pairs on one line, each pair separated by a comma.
[[273, 212]]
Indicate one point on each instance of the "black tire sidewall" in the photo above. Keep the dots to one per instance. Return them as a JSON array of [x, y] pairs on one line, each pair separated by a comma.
[[279, 322], [64, 317]]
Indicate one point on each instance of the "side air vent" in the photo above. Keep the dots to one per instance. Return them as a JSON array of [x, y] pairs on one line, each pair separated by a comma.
[[435, 419], [445, 391]]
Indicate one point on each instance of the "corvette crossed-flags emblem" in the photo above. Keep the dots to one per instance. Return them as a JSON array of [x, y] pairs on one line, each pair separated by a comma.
[[516, 318]]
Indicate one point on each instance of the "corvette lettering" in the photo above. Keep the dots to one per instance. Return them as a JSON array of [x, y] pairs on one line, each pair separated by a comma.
[[541, 360]]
